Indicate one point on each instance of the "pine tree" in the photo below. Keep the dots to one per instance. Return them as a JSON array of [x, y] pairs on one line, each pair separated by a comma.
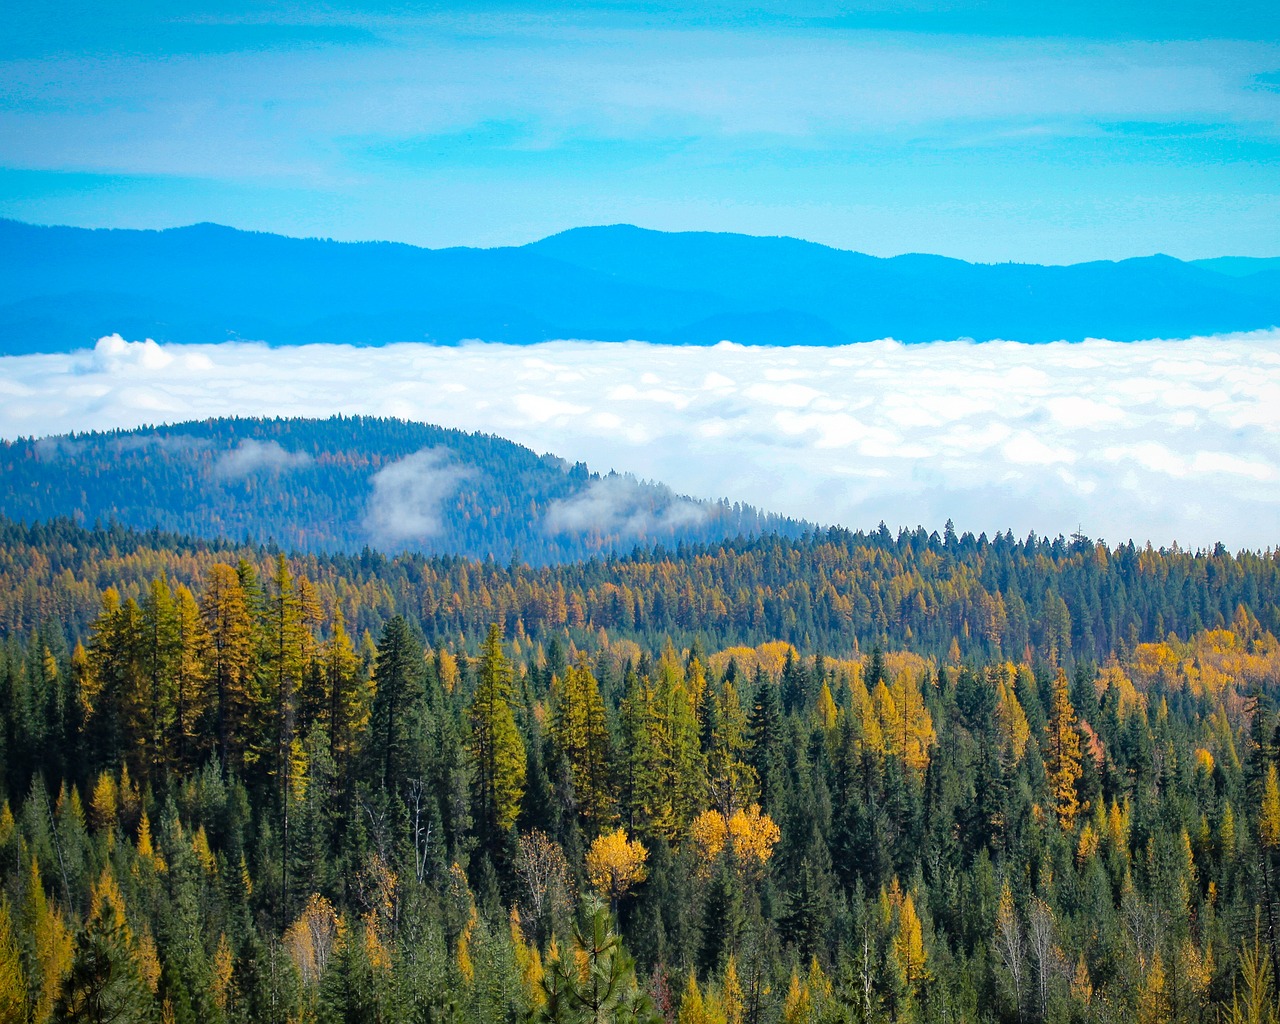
[[595, 982], [105, 984]]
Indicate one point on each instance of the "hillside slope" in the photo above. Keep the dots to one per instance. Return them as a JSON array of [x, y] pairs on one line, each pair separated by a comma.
[[346, 482]]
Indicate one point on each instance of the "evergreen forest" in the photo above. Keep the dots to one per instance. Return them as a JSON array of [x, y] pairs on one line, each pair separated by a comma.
[[827, 777]]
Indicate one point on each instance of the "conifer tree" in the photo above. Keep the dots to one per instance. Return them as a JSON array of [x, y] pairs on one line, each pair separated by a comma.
[[190, 681], [160, 653], [1062, 754], [594, 981], [580, 735], [225, 610], [393, 720], [349, 695], [731, 780], [497, 751], [13, 983], [765, 753]]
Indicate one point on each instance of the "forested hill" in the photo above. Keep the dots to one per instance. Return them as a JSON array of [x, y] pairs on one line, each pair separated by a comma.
[[62, 288], [346, 482]]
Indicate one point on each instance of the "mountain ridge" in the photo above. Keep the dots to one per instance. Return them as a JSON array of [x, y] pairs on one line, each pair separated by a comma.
[[63, 287]]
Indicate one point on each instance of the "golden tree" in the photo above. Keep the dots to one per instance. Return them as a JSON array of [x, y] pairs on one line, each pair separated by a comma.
[[1062, 754], [615, 864]]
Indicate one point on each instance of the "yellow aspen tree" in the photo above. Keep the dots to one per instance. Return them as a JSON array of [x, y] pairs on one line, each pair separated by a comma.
[[1062, 754], [753, 835], [311, 939], [708, 832], [615, 864]]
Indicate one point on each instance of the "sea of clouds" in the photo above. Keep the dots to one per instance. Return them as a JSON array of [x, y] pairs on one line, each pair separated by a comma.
[[1158, 440]]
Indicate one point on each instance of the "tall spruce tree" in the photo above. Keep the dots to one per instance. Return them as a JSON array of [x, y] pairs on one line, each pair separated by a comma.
[[393, 721]]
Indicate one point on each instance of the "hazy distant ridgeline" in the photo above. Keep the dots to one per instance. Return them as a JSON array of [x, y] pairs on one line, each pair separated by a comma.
[[62, 288], [347, 482]]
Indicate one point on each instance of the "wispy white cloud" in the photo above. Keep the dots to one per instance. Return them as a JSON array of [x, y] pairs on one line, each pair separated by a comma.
[[251, 457], [622, 506], [406, 496], [1159, 440], [1005, 146]]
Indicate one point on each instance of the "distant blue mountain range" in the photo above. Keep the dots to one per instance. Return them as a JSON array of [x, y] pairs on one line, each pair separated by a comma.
[[61, 288]]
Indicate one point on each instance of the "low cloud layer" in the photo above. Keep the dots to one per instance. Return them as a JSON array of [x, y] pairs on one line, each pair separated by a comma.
[[251, 457], [406, 497], [622, 506], [1158, 440]]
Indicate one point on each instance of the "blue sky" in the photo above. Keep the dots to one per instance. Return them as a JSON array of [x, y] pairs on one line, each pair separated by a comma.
[[989, 131]]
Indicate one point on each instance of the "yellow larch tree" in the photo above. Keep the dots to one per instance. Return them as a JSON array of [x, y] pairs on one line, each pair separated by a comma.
[[1062, 754], [53, 945], [13, 984], [908, 945]]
